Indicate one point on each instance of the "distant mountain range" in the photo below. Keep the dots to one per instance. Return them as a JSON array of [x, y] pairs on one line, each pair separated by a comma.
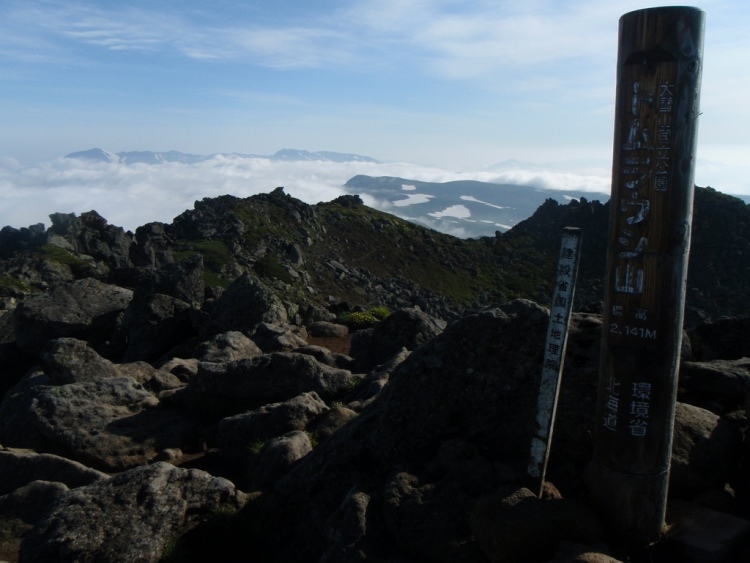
[[465, 208], [149, 157]]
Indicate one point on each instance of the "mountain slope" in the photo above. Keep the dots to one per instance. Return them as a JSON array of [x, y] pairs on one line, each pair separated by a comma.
[[343, 253], [465, 208]]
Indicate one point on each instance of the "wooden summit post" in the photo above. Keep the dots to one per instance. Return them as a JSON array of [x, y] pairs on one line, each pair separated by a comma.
[[659, 67]]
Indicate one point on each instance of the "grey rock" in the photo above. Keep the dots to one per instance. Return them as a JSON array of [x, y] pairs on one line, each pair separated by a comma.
[[227, 347], [348, 531], [19, 468], [405, 328], [16, 422], [371, 386], [320, 353], [222, 390], [154, 324], [723, 339], [155, 380], [717, 385], [151, 249], [706, 451], [131, 517], [111, 424], [244, 305], [237, 433], [478, 378], [85, 309], [182, 368], [331, 421], [328, 329], [278, 456], [182, 280], [20, 509], [69, 360], [277, 338]]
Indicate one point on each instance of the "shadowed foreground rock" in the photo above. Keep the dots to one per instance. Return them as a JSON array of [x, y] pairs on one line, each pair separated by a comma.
[[131, 517]]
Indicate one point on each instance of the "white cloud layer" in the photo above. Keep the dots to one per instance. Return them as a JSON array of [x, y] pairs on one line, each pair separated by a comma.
[[132, 195]]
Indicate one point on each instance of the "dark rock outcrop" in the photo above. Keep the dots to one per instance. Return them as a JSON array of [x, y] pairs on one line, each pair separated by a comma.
[[85, 309]]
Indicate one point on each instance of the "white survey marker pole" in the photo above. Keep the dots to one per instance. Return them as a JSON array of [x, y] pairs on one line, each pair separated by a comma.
[[554, 354]]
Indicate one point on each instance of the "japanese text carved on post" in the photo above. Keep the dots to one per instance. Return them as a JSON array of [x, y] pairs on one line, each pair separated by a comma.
[[658, 83]]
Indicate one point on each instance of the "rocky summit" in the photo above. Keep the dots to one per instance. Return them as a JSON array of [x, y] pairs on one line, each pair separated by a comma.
[[267, 380]]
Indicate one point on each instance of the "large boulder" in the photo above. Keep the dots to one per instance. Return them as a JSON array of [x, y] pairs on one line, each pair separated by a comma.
[[69, 360], [706, 452], [19, 468], [244, 305], [716, 385], [221, 390], [237, 434], [480, 378], [110, 423], [327, 329], [132, 517], [277, 338], [405, 328], [23, 507], [227, 347], [85, 309], [278, 456], [155, 323]]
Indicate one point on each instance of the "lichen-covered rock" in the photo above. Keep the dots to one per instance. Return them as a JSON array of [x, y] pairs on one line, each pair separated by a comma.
[[21, 508], [112, 424], [131, 517], [69, 360]]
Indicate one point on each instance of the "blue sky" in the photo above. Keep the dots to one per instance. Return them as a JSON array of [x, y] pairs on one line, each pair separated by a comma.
[[453, 84]]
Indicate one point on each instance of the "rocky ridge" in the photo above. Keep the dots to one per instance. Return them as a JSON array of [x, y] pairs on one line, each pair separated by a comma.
[[164, 399]]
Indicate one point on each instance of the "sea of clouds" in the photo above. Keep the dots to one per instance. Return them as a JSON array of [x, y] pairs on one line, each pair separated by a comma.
[[135, 194]]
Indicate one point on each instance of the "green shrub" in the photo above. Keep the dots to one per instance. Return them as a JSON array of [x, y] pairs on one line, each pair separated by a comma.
[[11, 283], [363, 319], [380, 312], [358, 320]]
